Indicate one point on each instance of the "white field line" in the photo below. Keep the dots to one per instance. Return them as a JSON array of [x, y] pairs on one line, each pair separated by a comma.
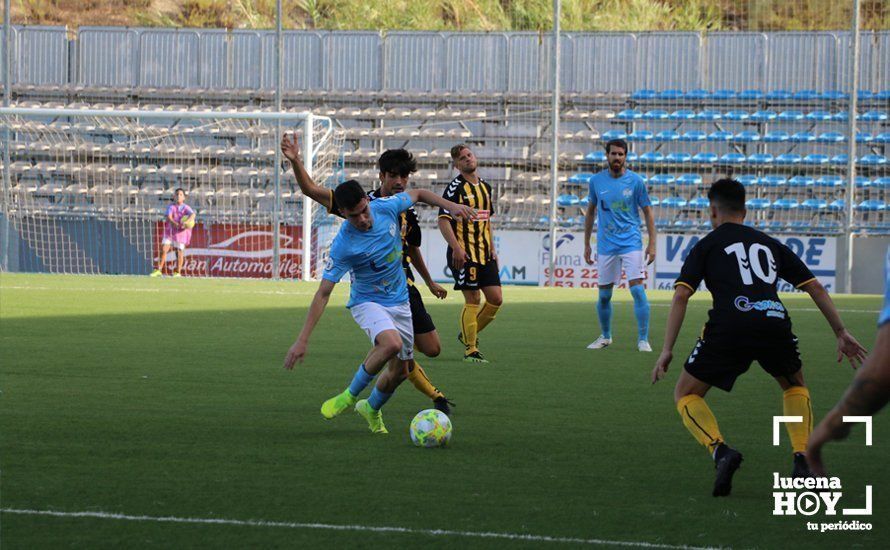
[[312, 293], [334, 527]]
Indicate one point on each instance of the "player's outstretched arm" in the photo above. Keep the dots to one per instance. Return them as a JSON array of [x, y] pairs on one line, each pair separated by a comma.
[[588, 231], [290, 148], [675, 318], [420, 265], [298, 350], [868, 394], [428, 197], [847, 346]]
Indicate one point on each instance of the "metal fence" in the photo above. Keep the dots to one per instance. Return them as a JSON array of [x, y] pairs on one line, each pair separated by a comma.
[[443, 61]]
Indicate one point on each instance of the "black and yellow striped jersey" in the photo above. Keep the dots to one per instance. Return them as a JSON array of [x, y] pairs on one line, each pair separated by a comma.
[[474, 236]]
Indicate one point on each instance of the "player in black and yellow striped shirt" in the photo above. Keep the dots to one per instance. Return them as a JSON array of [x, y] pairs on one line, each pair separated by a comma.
[[471, 255]]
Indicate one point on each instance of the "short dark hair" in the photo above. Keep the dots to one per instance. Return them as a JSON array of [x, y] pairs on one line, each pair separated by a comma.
[[348, 194], [617, 143], [455, 151], [728, 195], [397, 161], [178, 189]]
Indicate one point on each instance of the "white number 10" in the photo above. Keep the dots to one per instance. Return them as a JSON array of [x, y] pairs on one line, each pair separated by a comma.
[[750, 261]]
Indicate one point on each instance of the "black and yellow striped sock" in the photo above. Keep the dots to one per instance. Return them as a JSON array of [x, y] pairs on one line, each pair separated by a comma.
[[418, 377], [700, 421]]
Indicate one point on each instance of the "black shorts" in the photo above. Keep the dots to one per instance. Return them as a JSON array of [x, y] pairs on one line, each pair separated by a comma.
[[423, 323], [719, 360], [474, 276]]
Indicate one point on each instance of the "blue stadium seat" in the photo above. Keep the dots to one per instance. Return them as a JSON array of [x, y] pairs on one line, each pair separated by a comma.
[[818, 116], [670, 95], [662, 179], [790, 116], [764, 116], [776, 136], [872, 205], [760, 158], [651, 157], [841, 159], [613, 134], [705, 158], [831, 137], [632, 156], [815, 159], [864, 137], [806, 95], [581, 178], [872, 116], [778, 95], [654, 200], [751, 94], [873, 160], [881, 183], [784, 204], [544, 220], [862, 182], [814, 205], [733, 158], [644, 94], [720, 136], [883, 95], [709, 114], [800, 225], [684, 224], [698, 93], [840, 116], [883, 137], [770, 225], [699, 203], [682, 114], [629, 114], [748, 180], [773, 181], [598, 157], [694, 135], [640, 135], [866, 94], [788, 158], [678, 157], [667, 135], [830, 181], [565, 201], [803, 137], [673, 202], [584, 202], [835, 95], [689, 179], [656, 114], [801, 181], [748, 136], [736, 115], [724, 94], [757, 204]]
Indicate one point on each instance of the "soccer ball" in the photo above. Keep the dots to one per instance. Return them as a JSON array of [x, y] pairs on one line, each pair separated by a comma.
[[188, 223], [430, 428]]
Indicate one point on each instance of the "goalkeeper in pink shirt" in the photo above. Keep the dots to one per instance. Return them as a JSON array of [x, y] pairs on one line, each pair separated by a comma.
[[177, 233]]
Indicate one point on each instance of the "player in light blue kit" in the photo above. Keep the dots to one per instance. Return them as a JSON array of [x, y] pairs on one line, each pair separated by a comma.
[[370, 248], [619, 194], [868, 393]]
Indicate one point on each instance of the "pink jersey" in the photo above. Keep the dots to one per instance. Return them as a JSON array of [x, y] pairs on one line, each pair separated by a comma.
[[178, 212]]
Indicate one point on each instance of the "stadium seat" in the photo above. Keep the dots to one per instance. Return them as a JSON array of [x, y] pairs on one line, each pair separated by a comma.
[[835, 95], [732, 158], [662, 179], [790, 116], [629, 114], [815, 159], [641, 135], [837, 205], [678, 157], [613, 134], [736, 115], [872, 116], [689, 179], [651, 157], [864, 137], [773, 181], [806, 95], [862, 182], [801, 181], [655, 201], [724, 94], [831, 137], [656, 114], [644, 94], [881, 183], [873, 160], [682, 114], [667, 135], [670, 95], [684, 224], [784, 204], [694, 135], [830, 181], [705, 158], [699, 203], [778, 95], [709, 114], [747, 136], [771, 225], [764, 116], [757, 204], [760, 158], [697, 94], [673, 202], [720, 136], [584, 201], [632, 156], [841, 159], [818, 116], [750, 95], [565, 201], [883, 95], [872, 205], [581, 178], [814, 205], [748, 180], [787, 159], [883, 137], [776, 136], [803, 137], [597, 157]]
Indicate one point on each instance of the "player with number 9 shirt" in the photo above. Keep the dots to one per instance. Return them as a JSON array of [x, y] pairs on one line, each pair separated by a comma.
[[741, 267]]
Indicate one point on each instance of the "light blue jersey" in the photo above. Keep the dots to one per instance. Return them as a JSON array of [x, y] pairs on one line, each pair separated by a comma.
[[885, 313], [618, 201], [374, 257]]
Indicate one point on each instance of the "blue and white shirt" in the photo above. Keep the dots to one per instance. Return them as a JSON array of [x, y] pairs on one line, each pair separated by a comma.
[[885, 313], [618, 201], [374, 257]]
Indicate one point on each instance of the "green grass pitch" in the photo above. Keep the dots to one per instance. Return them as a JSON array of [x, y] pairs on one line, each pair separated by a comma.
[[167, 399]]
